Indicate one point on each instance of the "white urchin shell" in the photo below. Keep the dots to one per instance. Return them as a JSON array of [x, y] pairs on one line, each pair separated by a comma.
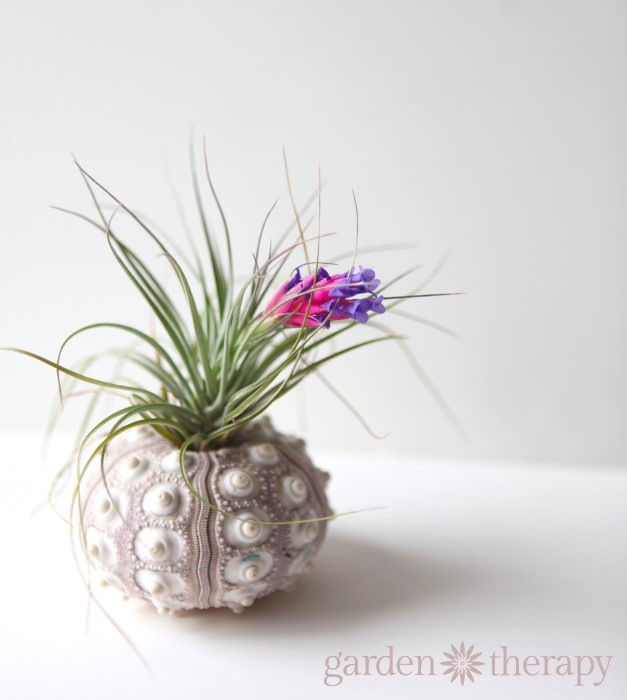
[[149, 536]]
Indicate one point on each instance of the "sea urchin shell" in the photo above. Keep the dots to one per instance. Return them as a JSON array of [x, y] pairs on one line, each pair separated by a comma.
[[147, 534]]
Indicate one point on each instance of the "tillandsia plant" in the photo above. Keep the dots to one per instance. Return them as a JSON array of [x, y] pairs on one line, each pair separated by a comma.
[[185, 495]]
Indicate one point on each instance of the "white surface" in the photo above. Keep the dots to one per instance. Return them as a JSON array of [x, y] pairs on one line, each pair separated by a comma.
[[494, 128], [527, 556]]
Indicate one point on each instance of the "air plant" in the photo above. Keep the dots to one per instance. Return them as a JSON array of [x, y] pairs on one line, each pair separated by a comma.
[[198, 501]]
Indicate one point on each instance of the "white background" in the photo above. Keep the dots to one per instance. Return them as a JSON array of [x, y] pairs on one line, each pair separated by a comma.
[[494, 130], [527, 556]]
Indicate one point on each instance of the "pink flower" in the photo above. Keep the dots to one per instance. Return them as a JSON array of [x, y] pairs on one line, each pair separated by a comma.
[[332, 299]]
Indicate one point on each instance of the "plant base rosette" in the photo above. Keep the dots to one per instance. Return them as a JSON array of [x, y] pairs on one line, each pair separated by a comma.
[[149, 536]]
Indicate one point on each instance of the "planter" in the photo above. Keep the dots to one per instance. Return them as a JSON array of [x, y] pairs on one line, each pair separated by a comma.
[[149, 536]]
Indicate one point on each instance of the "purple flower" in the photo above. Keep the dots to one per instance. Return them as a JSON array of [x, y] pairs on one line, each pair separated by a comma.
[[333, 298]]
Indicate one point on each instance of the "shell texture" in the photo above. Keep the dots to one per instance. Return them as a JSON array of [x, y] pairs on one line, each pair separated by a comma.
[[146, 534]]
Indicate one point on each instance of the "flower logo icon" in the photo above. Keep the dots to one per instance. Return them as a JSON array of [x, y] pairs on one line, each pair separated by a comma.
[[462, 663]]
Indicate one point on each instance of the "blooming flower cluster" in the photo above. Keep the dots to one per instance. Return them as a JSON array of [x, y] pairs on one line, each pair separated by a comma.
[[333, 298]]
